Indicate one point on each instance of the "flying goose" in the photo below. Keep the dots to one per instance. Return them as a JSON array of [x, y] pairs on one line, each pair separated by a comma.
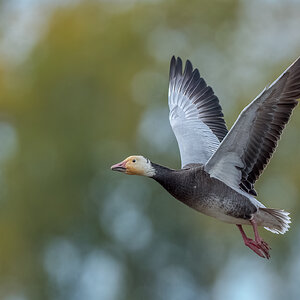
[[219, 168]]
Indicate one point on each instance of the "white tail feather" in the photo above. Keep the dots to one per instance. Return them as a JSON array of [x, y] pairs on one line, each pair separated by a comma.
[[277, 220]]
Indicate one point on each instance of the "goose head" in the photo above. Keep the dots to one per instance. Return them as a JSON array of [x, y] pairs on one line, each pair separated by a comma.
[[135, 165]]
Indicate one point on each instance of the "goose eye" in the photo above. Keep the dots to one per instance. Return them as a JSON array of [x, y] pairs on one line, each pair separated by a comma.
[[133, 160]]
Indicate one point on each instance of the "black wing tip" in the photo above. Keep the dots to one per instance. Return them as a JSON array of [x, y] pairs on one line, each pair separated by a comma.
[[173, 60], [176, 66], [179, 60], [188, 62], [172, 67], [188, 69]]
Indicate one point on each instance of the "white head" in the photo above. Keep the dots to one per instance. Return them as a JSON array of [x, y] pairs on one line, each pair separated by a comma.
[[135, 165]]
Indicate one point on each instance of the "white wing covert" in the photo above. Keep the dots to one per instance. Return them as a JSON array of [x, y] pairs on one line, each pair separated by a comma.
[[195, 114]]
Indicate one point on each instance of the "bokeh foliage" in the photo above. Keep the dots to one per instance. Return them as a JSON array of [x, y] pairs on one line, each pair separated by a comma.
[[70, 110]]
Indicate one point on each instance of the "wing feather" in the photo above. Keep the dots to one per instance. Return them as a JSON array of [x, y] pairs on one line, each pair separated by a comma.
[[195, 114], [251, 142]]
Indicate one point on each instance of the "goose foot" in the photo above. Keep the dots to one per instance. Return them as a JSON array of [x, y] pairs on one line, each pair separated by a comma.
[[261, 249], [259, 246]]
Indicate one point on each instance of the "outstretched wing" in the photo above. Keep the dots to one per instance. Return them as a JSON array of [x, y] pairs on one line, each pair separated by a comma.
[[195, 114], [249, 145]]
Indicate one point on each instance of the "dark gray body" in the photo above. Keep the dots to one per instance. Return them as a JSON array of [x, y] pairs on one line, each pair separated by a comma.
[[195, 188]]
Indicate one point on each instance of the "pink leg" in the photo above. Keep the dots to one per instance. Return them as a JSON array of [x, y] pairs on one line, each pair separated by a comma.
[[260, 247], [263, 245]]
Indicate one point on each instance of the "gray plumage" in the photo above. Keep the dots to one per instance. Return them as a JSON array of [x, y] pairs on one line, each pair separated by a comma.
[[195, 188], [249, 145], [197, 121], [219, 168]]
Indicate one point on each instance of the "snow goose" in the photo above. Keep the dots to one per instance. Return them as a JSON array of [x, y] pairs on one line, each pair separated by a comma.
[[219, 168]]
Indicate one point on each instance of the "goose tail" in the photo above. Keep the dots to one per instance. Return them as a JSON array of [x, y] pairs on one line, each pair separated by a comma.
[[275, 220]]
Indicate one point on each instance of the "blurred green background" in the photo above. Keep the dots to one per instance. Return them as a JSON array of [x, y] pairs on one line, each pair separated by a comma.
[[83, 84]]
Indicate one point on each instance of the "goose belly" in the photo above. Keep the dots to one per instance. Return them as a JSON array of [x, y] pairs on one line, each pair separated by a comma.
[[224, 210], [195, 188]]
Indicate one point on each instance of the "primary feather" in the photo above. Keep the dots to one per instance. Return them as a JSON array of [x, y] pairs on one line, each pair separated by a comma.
[[249, 145], [195, 114]]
